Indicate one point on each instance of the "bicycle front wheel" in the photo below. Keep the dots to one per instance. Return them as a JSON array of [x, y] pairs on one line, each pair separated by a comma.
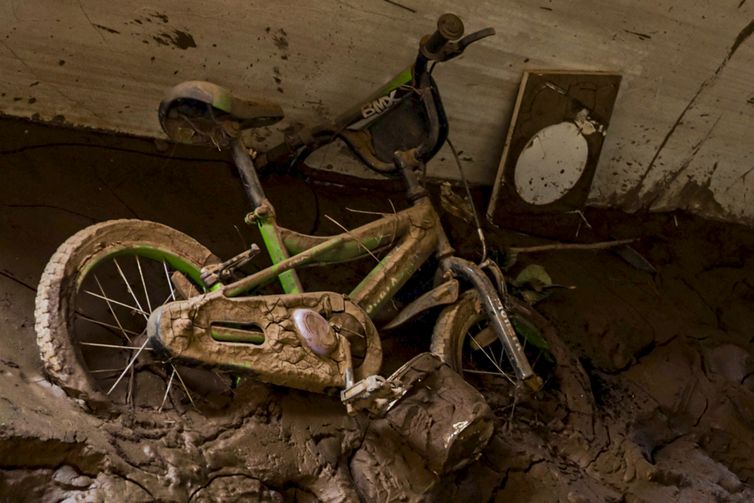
[[464, 339]]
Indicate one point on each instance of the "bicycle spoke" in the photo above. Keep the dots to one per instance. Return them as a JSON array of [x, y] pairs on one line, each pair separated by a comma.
[[492, 360], [100, 345], [539, 355], [103, 371], [170, 283], [485, 372], [130, 290], [167, 390], [185, 388], [107, 325], [132, 308], [485, 336], [129, 394], [143, 283], [358, 241], [166, 300], [110, 308], [129, 365], [344, 329]]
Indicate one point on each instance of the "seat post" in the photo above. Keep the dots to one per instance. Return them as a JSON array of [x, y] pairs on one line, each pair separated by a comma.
[[248, 172], [263, 215]]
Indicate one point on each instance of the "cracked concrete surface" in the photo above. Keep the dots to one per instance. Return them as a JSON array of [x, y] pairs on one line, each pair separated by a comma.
[[669, 356]]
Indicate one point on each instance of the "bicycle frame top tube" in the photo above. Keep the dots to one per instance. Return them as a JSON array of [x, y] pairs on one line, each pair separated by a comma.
[[384, 96], [413, 234]]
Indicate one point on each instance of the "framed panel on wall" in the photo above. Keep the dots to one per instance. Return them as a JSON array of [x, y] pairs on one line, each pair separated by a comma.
[[559, 123]]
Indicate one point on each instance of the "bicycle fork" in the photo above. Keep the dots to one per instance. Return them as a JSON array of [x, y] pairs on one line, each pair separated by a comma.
[[495, 310]]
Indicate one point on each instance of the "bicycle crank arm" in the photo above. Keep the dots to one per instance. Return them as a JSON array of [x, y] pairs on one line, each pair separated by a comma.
[[287, 340]]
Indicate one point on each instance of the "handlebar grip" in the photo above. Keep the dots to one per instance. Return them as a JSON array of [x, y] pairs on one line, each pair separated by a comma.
[[449, 27]]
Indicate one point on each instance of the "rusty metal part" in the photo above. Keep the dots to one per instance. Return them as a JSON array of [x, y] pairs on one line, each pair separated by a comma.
[[372, 394], [184, 330], [446, 293], [215, 273]]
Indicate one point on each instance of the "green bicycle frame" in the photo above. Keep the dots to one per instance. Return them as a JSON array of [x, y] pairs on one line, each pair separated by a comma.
[[412, 233]]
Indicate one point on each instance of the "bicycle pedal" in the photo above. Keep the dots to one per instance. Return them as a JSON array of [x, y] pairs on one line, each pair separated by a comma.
[[373, 394]]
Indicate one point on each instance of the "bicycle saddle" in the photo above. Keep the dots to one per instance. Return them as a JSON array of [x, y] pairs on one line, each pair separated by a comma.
[[203, 113]]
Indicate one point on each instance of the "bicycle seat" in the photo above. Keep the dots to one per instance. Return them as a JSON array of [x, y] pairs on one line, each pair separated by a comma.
[[204, 113]]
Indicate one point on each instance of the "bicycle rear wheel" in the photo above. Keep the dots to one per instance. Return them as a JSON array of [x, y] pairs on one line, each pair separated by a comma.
[[92, 306]]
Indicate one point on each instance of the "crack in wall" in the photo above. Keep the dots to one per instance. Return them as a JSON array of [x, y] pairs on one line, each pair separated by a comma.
[[91, 23], [656, 193], [52, 86], [635, 193]]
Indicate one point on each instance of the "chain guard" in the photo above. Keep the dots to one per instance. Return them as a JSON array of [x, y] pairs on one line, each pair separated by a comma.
[[183, 330]]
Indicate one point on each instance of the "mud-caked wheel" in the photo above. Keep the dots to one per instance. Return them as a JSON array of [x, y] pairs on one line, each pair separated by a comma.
[[93, 302], [464, 339]]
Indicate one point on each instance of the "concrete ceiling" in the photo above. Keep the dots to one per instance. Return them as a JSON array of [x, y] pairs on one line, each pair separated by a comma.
[[682, 133]]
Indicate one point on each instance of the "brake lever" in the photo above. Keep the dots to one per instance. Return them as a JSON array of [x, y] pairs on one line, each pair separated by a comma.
[[454, 49]]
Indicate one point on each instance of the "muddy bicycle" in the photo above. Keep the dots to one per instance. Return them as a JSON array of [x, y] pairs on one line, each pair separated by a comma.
[[127, 310]]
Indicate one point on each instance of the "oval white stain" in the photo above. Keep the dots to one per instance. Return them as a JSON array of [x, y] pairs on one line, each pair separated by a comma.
[[551, 163]]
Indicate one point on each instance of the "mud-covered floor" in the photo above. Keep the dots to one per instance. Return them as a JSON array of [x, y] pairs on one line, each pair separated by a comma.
[[659, 405]]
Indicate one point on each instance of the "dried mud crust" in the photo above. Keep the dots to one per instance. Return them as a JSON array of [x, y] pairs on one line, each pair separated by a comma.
[[682, 365], [54, 305], [440, 425]]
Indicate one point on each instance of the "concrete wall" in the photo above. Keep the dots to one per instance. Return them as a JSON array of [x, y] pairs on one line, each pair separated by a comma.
[[682, 133]]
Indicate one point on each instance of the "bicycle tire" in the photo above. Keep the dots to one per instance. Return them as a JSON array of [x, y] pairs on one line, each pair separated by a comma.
[[566, 376], [65, 272], [456, 321]]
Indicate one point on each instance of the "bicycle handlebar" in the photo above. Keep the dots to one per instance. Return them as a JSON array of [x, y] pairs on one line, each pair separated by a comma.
[[444, 44], [449, 28]]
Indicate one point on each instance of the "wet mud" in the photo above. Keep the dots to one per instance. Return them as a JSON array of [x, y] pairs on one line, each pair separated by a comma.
[[656, 402]]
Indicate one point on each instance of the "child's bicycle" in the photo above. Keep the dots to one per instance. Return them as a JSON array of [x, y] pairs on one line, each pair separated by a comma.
[[128, 309]]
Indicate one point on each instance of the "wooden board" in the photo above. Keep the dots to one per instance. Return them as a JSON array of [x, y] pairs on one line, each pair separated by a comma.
[[582, 102]]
